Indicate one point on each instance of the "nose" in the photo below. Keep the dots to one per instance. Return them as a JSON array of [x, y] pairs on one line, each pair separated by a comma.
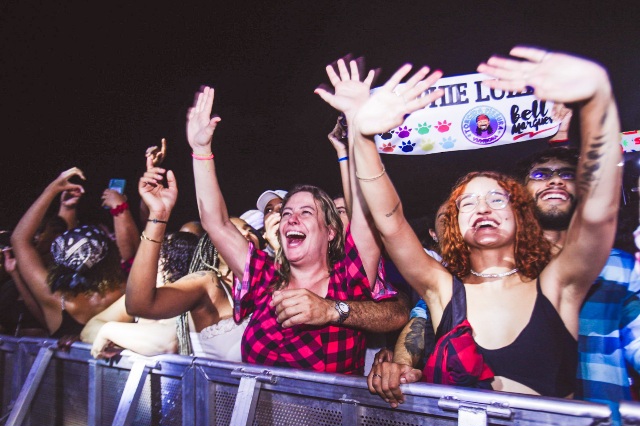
[[483, 206], [555, 180]]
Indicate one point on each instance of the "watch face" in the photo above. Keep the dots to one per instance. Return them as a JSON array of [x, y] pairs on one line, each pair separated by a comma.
[[343, 307]]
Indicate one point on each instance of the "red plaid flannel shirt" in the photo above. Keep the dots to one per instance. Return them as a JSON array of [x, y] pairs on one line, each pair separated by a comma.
[[330, 348]]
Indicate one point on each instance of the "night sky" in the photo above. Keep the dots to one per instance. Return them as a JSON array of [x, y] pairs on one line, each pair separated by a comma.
[[94, 86]]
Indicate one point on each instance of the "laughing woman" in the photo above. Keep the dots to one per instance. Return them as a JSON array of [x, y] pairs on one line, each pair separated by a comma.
[[499, 296]]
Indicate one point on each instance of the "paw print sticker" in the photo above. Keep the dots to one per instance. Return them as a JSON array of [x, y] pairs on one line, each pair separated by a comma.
[[407, 146], [404, 132], [448, 143], [386, 135], [423, 128], [387, 147], [427, 145], [443, 126]]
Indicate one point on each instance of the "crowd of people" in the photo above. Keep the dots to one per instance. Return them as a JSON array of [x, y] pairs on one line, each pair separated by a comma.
[[517, 284]]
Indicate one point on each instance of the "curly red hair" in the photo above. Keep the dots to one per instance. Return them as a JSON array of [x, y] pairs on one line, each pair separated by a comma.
[[532, 250]]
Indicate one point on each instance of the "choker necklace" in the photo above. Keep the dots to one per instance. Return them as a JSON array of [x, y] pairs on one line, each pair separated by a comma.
[[500, 275]]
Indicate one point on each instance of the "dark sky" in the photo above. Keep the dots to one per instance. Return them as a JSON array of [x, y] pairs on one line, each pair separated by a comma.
[[94, 86]]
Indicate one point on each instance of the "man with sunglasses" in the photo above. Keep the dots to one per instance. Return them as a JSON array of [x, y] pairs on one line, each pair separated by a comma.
[[609, 330]]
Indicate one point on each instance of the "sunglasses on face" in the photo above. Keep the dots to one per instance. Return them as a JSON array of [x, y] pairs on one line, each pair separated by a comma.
[[543, 173], [496, 200]]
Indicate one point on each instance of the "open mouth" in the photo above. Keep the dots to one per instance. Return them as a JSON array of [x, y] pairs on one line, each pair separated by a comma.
[[295, 238], [485, 224], [563, 196]]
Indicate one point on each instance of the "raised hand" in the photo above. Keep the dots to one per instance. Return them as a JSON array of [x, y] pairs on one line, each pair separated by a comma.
[[154, 194], [112, 198], [554, 76], [389, 104], [338, 138], [61, 183], [157, 154], [349, 91], [200, 124]]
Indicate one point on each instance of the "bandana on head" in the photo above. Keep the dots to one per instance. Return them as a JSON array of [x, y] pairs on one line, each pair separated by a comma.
[[79, 249]]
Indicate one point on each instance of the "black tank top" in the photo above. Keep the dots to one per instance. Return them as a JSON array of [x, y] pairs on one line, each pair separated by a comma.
[[68, 327], [543, 357]]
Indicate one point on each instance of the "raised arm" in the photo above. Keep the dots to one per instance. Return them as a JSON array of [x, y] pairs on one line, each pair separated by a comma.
[[564, 78], [349, 94], [384, 110], [124, 225], [338, 137], [211, 205], [30, 264], [143, 298]]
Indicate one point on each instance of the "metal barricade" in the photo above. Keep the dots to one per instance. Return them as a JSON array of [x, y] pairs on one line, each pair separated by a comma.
[[46, 386]]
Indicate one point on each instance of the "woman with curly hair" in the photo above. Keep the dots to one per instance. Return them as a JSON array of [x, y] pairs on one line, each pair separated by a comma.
[[85, 276], [504, 311]]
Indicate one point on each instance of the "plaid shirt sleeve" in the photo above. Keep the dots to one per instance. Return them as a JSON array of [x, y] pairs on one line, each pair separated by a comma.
[[258, 273]]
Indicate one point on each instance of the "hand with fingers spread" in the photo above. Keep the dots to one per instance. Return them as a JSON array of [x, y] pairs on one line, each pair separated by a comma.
[[156, 154], [554, 76], [390, 103], [301, 306], [386, 377], [200, 124], [349, 91]]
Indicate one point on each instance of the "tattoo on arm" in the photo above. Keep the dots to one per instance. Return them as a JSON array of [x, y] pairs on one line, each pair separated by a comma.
[[414, 340], [393, 211]]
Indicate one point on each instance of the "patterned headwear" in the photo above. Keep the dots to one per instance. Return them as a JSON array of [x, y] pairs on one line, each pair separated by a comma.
[[78, 249]]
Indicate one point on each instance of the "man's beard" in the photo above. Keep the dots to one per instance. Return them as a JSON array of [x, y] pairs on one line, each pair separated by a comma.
[[555, 219]]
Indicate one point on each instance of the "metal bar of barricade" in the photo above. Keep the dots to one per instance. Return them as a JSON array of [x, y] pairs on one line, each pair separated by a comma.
[[94, 410], [349, 412], [251, 380], [473, 413], [28, 391], [131, 393]]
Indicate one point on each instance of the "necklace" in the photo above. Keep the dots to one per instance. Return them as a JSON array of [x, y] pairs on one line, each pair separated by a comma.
[[500, 275]]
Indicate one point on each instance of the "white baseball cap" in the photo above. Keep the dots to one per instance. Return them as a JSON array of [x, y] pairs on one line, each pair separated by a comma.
[[254, 218], [269, 195]]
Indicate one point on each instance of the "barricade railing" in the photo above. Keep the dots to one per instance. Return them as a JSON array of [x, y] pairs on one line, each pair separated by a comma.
[[43, 385]]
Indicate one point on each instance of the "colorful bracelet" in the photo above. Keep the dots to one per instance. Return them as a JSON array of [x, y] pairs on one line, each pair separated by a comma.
[[345, 158], [157, 221], [202, 157], [119, 209], [144, 237]]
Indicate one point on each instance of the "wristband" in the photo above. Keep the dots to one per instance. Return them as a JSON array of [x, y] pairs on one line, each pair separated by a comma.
[[202, 157], [119, 209], [157, 221], [345, 158]]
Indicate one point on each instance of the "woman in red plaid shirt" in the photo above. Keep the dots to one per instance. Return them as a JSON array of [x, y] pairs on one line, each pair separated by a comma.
[[300, 317]]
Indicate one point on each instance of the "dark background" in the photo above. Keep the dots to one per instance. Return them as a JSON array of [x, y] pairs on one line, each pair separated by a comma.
[[93, 86]]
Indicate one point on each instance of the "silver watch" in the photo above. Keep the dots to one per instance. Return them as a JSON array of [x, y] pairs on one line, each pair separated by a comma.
[[343, 311]]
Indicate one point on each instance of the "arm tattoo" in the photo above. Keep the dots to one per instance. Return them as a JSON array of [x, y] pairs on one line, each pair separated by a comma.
[[414, 340], [393, 211], [590, 165]]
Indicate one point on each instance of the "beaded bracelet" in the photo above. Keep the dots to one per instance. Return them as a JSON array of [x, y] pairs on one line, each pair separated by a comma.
[[144, 237], [119, 209]]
